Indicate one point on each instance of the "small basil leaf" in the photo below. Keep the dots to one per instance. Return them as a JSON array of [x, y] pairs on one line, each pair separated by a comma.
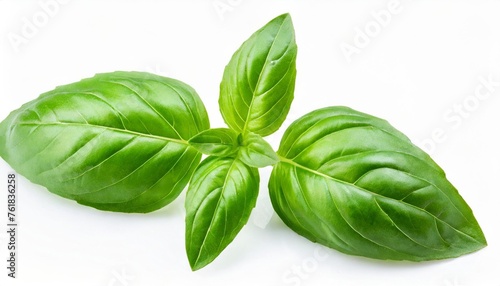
[[220, 197], [115, 142], [352, 182], [217, 142], [256, 152], [258, 83]]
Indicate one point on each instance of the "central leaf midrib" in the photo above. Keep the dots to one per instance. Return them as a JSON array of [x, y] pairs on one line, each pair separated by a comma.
[[223, 187], [260, 78], [295, 164], [113, 129]]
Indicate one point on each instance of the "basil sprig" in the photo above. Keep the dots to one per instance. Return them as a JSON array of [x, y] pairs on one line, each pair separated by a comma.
[[131, 142]]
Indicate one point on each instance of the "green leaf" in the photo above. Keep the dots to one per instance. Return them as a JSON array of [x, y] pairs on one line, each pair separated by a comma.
[[117, 141], [255, 152], [217, 142], [258, 83], [219, 200], [352, 182]]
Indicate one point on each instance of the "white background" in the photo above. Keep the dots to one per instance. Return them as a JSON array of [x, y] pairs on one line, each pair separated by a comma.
[[416, 69]]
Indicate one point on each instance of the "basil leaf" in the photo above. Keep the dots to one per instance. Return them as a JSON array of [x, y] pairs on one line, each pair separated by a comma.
[[217, 142], [352, 182], [256, 152], [220, 197], [114, 142], [258, 83]]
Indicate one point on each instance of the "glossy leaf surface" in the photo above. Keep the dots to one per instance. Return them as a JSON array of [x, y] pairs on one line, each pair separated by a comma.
[[219, 200], [256, 152], [217, 142], [258, 83], [117, 141], [352, 182]]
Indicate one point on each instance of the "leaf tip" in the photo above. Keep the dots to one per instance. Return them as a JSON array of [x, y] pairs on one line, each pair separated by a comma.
[[284, 17], [196, 266], [195, 262], [4, 134], [284, 20], [482, 240]]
